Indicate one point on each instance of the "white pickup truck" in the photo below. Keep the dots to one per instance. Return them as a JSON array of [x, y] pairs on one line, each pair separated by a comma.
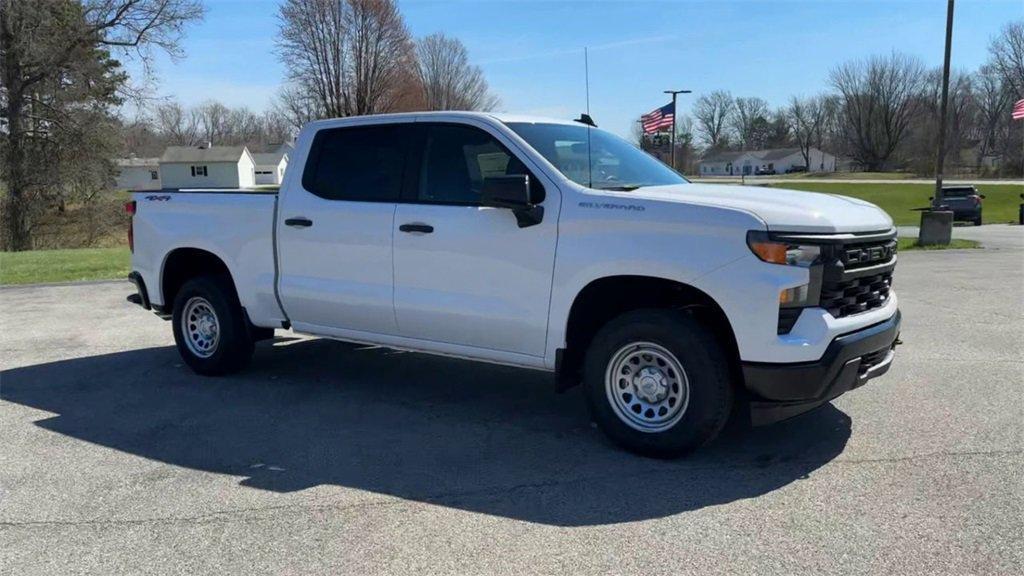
[[537, 243]]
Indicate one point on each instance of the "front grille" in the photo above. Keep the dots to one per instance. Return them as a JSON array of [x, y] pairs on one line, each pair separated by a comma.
[[845, 297], [862, 255]]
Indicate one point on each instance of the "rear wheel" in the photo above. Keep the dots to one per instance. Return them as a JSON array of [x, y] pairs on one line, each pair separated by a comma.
[[210, 327], [658, 382], [977, 221]]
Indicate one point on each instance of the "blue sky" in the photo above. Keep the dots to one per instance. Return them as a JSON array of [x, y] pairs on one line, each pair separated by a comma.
[[532, 51]]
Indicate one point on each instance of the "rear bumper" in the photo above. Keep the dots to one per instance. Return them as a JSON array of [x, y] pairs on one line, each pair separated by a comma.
[[141, 296], [781, 391]]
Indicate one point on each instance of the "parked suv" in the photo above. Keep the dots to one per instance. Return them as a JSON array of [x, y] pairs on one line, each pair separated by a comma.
[[963, 201], [538, 243]]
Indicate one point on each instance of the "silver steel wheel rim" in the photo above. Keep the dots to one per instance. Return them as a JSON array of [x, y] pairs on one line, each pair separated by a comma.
[[200, 326], [647, 387]]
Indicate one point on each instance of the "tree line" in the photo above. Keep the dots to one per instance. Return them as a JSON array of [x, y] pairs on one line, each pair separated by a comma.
[[63, 87], [880, 113]]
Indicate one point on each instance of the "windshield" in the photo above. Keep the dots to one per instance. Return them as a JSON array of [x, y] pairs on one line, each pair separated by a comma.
[[614, 164], [958, 192]]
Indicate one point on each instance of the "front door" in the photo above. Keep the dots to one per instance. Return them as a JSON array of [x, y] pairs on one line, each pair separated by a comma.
[[335, 231], [467, 274]]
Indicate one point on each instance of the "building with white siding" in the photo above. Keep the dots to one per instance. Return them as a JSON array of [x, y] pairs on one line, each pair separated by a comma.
[[137, 174], [270, 167], [772, 161], [207, 167]]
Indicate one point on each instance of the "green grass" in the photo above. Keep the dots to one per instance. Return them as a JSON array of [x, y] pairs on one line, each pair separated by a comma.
[[955, 244], [38, 266], [849, 175], [899, 200]]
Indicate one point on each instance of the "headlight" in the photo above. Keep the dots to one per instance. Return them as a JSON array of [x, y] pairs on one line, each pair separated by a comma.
[[777, 252]]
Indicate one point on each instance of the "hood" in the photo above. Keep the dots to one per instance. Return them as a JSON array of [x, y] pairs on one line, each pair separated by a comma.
[[782, 210]]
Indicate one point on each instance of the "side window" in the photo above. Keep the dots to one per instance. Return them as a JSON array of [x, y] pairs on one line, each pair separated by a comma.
[[361, 163], [457, 159]]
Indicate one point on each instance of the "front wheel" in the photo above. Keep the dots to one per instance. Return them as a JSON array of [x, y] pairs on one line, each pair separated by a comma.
[[210, 327], [657, 382]]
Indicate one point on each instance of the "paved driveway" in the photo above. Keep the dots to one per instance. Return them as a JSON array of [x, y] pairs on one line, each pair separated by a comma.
[[331, 458]]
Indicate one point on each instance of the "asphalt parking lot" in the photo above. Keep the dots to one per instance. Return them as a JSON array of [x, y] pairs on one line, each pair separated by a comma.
[[325, 457]]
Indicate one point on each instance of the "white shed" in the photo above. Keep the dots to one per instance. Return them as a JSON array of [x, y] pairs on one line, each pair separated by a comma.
[[270, 167], [207, 167], [137, 174]]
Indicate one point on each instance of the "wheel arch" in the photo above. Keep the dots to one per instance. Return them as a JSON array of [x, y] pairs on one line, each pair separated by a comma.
[[184, 263], [605, 298]]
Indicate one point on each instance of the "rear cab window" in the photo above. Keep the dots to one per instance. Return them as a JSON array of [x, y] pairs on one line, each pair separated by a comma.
[[358, 163]]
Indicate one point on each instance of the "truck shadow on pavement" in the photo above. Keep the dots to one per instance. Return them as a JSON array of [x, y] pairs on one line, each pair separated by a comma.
[[476, 437]]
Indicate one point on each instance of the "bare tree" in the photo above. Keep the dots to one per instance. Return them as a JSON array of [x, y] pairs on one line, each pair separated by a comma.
[[806, 116], [213, 122], [352, 56], [993, 99], [711, 112], [47, 41], [1006, 54], [383, 57], [880, 96], [748, 120], [449, 81], [178, 126], [298, 106]]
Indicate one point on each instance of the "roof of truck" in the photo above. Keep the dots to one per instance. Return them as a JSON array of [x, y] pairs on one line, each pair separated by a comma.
[[499, 116]]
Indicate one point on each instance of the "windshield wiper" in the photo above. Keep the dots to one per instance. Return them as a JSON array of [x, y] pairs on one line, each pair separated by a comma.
[[622, 188]]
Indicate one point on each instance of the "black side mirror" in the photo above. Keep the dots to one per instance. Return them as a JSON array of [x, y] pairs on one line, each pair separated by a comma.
[[512, 192], [982, 196], [931, 197]]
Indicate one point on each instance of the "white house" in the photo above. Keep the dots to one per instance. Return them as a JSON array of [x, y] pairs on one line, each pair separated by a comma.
[[772, 161], [137, 174], [207, 167], [270, 167]]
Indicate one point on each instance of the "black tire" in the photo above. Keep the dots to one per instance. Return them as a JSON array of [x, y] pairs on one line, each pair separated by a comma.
[[705, 366], [234, 344], [977, 221]]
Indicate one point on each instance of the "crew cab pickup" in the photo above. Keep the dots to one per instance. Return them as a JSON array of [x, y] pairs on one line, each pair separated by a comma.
[[537, 243]]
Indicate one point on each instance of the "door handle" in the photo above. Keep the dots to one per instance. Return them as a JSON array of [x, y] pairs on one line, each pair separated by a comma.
[[422, 228], [299, 222]]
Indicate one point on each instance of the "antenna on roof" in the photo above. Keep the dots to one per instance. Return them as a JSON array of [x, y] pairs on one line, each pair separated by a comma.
[[585, 118]]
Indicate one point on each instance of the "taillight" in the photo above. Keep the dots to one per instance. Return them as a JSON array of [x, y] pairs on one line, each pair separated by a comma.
[[976, 200], [129, 207]]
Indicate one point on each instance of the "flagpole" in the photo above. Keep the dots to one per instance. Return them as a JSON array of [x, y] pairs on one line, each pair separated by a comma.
[[672, 153]]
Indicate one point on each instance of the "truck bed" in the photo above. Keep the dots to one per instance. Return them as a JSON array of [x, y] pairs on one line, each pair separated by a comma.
[[236, 225]]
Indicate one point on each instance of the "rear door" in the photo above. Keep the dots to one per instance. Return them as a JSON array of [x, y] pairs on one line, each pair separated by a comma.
[[335, 230], [467, 274]]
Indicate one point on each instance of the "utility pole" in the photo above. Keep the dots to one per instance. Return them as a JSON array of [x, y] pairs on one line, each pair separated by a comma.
[[675, 115], [941, 160], [937, 221]]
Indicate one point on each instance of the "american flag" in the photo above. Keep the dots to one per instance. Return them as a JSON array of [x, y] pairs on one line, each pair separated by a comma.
[[1018, 110], [658, 120]]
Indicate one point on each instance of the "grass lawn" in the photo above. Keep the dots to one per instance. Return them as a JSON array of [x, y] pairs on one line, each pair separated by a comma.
[[849, 175], [899, 200], [956, 244], [39, 266]]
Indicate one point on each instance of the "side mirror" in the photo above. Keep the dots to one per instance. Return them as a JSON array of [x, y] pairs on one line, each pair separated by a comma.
[[982, 196], [931, 197], [506, 191], [512, 192]]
